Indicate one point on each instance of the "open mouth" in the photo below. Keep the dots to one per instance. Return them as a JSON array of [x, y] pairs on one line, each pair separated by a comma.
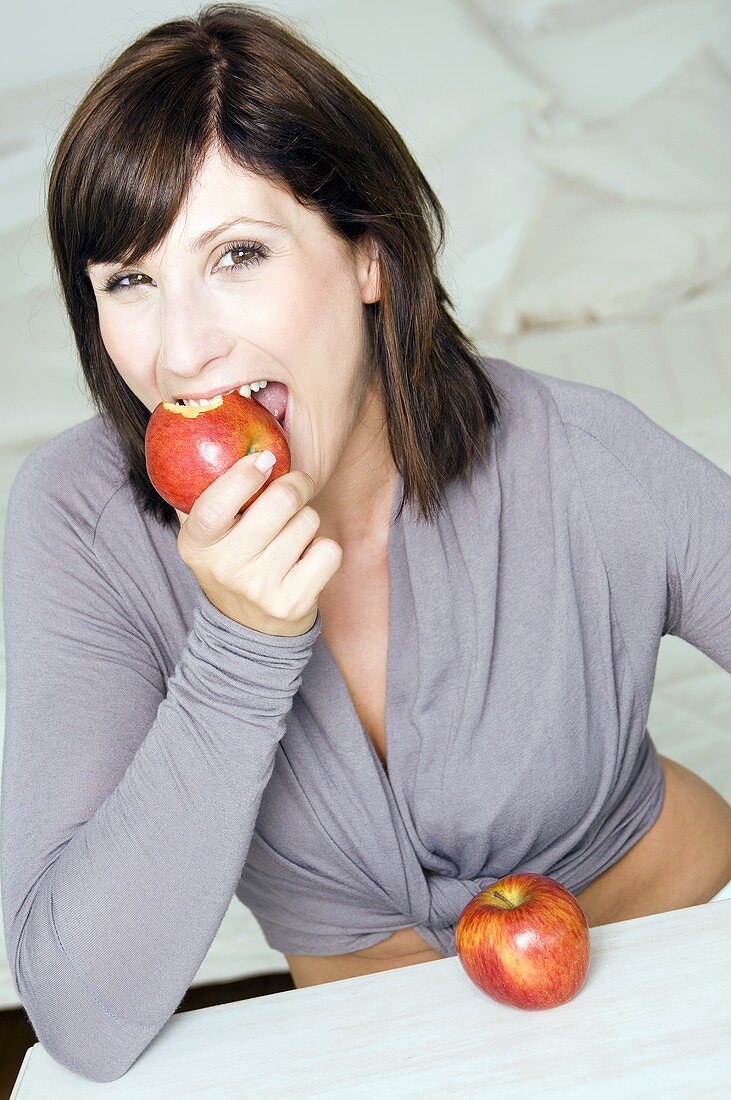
[[271, 395]]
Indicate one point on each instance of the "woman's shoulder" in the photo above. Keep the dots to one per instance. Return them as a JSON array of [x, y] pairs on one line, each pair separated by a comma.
[[603, 429], [531, 395], [73, 473]]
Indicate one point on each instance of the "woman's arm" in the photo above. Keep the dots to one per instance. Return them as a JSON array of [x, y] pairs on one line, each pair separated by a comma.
[[127, 806]]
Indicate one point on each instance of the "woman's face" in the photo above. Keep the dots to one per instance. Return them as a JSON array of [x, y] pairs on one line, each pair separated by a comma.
[[287, 306]]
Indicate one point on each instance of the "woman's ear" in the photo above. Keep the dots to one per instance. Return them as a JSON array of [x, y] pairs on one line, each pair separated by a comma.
[[369, 270]]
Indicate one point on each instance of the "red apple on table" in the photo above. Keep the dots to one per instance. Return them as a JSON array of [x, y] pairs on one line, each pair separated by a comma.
[[524, 941], [187, 448]]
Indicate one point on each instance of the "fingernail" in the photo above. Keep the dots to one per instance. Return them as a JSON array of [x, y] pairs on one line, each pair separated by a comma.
[[265, 461]]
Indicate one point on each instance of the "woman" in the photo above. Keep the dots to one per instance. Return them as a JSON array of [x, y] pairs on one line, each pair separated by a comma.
[[226, 208]]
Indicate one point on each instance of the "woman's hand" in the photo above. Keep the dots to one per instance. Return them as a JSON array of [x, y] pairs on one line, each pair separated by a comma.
[[263, 569]]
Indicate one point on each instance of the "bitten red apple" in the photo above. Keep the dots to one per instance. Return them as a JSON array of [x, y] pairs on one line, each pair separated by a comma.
[[524, 941], [187, 448]]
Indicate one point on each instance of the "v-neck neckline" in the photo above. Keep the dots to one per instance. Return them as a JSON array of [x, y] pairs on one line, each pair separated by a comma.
[[386, 771]]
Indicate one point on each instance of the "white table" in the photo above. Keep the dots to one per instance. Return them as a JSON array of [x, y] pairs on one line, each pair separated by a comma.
[[652, 1020]]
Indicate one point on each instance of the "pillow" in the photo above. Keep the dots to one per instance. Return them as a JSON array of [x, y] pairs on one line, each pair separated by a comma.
[[603, 66], [672, 147], [588, 258], [432, 69]]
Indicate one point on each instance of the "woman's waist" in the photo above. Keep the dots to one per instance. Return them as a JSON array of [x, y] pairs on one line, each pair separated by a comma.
[[683, 859]]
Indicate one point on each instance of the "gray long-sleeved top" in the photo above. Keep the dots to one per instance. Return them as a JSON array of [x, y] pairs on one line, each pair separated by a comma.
[[160, 757]]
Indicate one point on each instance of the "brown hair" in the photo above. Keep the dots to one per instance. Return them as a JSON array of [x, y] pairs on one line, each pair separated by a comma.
[[240, 79]]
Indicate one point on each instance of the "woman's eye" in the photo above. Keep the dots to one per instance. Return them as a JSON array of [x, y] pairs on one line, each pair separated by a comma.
[[117, 283], [244, 254], [255, 251]]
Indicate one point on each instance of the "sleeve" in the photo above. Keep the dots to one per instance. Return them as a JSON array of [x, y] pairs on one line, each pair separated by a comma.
[[693, 498], [127, 809]]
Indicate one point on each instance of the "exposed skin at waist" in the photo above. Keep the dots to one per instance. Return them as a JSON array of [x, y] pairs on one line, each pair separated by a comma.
[[683, 859]]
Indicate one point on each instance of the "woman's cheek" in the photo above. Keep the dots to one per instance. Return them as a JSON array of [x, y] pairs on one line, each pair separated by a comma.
[[296, 314], [131, 350]]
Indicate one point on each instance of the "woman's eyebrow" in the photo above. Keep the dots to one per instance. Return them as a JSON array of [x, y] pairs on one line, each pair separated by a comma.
[[206, 238], [210, 234]]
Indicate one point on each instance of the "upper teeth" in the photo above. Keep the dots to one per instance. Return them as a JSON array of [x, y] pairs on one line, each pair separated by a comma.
[[245, 391]]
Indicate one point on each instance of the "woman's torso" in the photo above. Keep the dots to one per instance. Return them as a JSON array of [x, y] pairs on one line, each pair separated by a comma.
[[682, 860]]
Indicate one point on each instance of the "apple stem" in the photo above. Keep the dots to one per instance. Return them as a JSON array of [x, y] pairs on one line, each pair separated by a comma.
[[497, 894]]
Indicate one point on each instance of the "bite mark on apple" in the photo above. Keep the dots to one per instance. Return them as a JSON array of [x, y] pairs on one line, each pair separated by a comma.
[[191, 411]]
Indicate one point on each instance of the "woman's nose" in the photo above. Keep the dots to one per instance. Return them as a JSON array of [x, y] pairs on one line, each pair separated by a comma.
[[190, 334]]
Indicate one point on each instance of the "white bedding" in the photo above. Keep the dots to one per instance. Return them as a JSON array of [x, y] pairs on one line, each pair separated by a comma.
[[670, 147], [599, 58], [512, 130], [589, 258]]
